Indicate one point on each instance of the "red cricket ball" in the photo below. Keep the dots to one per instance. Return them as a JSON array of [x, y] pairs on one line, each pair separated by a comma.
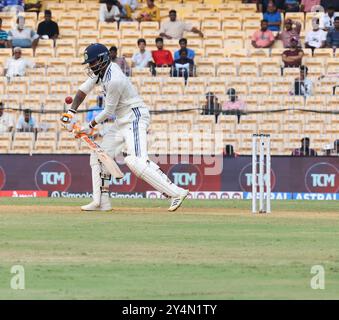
[[68, 100]]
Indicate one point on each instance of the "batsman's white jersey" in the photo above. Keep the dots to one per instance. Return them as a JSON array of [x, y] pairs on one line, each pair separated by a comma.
[[128, 132]]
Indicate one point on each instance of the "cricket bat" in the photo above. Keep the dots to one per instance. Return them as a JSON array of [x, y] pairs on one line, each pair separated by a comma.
[[104, 158]]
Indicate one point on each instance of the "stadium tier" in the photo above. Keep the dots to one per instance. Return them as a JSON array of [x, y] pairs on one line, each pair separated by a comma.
[[224, 58]]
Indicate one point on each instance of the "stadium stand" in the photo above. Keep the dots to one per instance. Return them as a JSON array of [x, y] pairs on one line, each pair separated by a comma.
[[224, 59]]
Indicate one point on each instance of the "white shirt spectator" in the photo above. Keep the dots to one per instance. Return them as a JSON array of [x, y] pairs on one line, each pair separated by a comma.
[[315, 38], [17, 67], [26, 126], [104, 14], [141, 60], [175, 29], [326, 22], [6, 122], [22, 38]]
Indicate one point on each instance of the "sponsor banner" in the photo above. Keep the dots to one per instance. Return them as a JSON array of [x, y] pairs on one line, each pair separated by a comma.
[[274, 195], [316, 196], [65, 194], [207, 195], [23, 193]]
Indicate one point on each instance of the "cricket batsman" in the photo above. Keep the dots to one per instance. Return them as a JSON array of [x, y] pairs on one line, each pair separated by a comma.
[[129, 129]]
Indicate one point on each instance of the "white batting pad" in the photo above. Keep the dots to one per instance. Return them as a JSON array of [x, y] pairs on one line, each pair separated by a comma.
[[152, 174]]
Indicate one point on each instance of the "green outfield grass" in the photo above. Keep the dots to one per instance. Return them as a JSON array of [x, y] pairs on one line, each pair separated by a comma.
[[207, 250]]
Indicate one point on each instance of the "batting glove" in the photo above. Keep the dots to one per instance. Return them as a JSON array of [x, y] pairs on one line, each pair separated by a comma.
[[86, 129], [69, 119]]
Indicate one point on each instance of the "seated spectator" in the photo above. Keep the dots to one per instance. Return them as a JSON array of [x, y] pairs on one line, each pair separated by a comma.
[[263, 38], [33, 6], [262, 5], [229, 151], [26, 122], [184, 66], [307, 5], [109, 12], [289, 33], [6, 120], [22, 37], [212, 106], [126, 8], [330, 3], [12, 6], [48, 29], [291, 5], [3, 36], [234, 105], [273, 17], [174, 29], [120, 61], [162, 57], [95, 110], [151, 13], [183, 45], [316, 38], [305, 150], [292, 57], [16, 66], [142, 58], [302, 85], [332, 39], [327, 19]]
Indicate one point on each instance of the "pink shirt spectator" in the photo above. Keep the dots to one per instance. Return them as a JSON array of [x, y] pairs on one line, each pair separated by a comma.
[[236, 105], [286, 36], [263, 39], [308, 4]]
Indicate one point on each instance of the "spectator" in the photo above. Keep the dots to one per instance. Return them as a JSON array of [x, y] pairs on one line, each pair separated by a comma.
[[126, 8], [306, 5], [23, 37], [109, 12], [33, 6], [120, 61], [95, 110], [48, 29], [6, 120], [229, 151], [336, 147], [291, 5], [161, 57], [290, 32], [263, 38], [330, 3], [292, 57], [305, 150], [184, 66], [142, 58], [263, 4], [3, 36], [16, 66], [302, 85], [234, 105], [12, 6], [174, 29], [327, 19], [212, 106], [315, 38], [332, 40], [183, 45], [26, 122], [151, 13], [273, 17]]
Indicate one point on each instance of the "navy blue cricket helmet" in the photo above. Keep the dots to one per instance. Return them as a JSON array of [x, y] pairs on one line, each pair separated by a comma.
[[96, 52]]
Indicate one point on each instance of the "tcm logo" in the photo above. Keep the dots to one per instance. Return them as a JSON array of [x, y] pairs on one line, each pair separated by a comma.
[[185, 179], [322, 177], [245, 178], [2, 178], [126, 180], [53, 176], [186, 175]]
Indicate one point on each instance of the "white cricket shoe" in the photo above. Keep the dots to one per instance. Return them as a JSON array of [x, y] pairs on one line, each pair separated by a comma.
[[176, 202], [105, 205]]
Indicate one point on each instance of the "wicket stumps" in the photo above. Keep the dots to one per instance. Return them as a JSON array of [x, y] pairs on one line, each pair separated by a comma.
[[260, 146]]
